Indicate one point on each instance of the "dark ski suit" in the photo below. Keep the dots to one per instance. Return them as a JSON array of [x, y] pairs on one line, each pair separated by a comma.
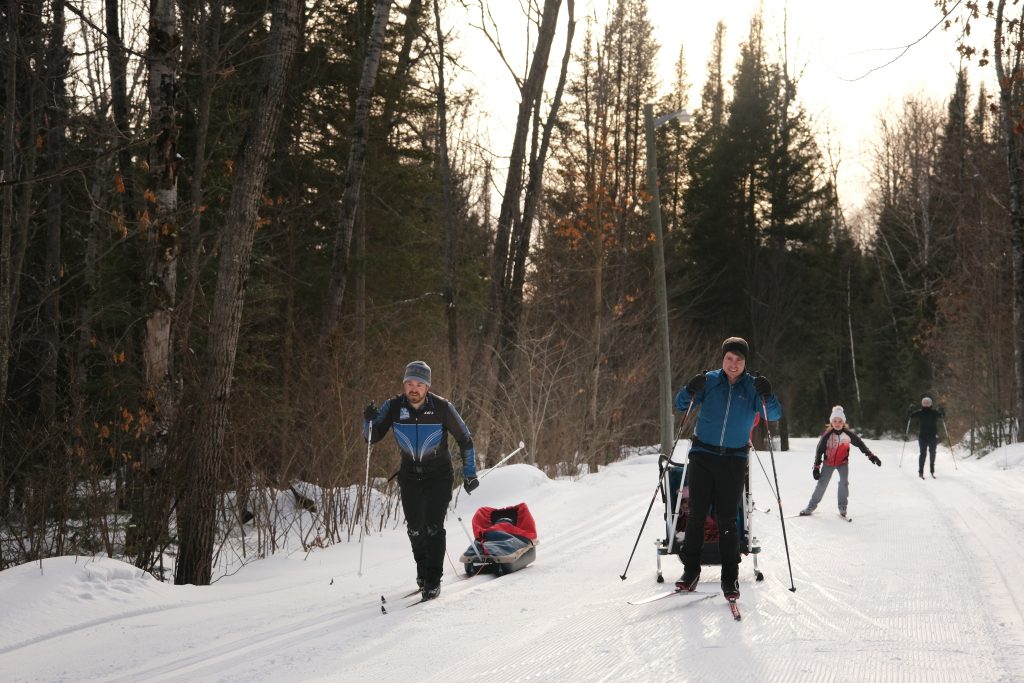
[[927, 434], [425, 477]]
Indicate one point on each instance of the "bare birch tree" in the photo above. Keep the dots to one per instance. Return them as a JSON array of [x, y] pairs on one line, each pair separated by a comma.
[[523, 185], [1008, 51], [1006, 56], [160, 230], [10, 66], [197, 503], [447, 217], [354, 172]]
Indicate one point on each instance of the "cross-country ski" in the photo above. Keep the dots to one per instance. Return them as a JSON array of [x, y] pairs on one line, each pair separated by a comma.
[[697, 595]]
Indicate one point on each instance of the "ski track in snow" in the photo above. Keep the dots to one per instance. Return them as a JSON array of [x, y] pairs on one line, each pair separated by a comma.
[[922, 587]]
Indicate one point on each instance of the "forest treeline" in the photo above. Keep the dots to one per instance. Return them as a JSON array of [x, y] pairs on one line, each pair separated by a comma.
[[229, 225]]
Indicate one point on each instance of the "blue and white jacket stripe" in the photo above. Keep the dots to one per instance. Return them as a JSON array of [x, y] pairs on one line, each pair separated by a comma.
[[727, 410], [422, 435]]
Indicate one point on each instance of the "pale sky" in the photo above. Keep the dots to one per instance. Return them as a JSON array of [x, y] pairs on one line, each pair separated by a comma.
[[850, 58]]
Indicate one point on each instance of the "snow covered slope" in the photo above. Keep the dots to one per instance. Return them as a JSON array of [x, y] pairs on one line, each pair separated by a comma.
[[922, 585]]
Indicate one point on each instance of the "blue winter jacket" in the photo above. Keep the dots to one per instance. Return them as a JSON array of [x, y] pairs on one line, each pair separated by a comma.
[[727, 410], [422, 434]]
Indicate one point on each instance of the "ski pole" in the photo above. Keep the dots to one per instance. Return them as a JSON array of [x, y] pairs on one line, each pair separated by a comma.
[[649, 507], [502, 461], [778, 493], [905, 435], [366, 491], [950, 442], [458, 489], [472, 541], [662, 462]]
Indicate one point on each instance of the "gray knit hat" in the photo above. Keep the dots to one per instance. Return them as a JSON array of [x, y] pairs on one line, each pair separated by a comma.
[[417, 370]]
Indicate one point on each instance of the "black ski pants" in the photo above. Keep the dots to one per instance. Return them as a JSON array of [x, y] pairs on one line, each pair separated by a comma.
[[927, 444], [714, 479], [426, 492]]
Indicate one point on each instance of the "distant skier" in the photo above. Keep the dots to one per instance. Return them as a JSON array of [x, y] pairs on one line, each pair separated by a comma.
[[730, 399], [927, 432], [833, 455], [421, 422]]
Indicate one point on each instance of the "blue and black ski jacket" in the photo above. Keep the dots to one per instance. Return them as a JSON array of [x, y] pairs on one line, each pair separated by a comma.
[[727, 413], [422, 434]]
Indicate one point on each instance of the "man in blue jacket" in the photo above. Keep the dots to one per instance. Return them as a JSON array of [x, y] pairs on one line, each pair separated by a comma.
[[421, 422], [729, 401]]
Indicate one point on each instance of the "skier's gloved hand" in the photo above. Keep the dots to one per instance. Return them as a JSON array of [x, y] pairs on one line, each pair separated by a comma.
[[470, 484], [696, 383], [816, 473], [370, 412], [874, 459], [762, 385]]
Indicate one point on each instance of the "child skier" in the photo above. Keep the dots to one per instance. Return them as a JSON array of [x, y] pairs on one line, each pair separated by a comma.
[[834, 447]]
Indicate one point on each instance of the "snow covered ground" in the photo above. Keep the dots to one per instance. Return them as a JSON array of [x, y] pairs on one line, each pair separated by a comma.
[[924, 585]]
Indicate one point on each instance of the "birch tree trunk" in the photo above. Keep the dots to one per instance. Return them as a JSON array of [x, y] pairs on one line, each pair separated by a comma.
[[198, 501], [118, 61], [209, 59], [56, 68], [10, 66], [448, 220], [159, 223], [354, 172], [1010, 100], [523, 230], [410, 31]]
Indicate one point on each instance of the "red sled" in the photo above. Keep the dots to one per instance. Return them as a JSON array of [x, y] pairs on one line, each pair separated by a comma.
[[505, 541]]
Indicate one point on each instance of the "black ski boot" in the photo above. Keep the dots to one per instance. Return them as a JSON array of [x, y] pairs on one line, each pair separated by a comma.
[[431, 591], [688, 581], [731, 589]]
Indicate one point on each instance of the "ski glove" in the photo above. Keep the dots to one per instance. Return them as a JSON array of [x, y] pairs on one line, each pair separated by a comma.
[[874, 459], [696, 383], [370, 412], [762, 385], [470, 484], [816, 473]]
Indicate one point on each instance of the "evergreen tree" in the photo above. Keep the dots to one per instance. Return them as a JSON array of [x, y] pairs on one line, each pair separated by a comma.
[[752, 259]]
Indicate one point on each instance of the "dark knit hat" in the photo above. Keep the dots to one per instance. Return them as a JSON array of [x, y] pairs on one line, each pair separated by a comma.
[[417, 370], [737, 345]]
